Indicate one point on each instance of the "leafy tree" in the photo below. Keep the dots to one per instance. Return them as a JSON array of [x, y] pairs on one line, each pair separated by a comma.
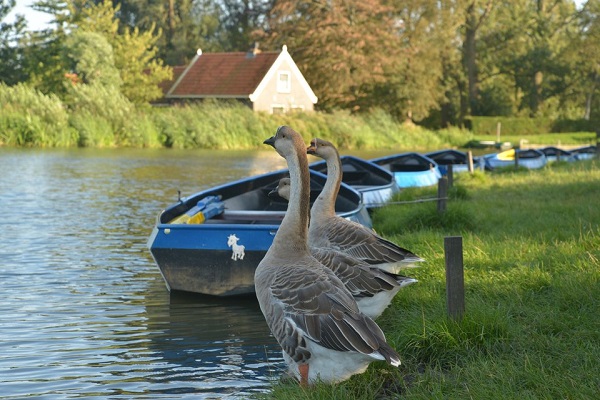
[[182, 26], [134, 51], [239, 19], [342, 47], [92, 59], [10, 52], [584, 51]]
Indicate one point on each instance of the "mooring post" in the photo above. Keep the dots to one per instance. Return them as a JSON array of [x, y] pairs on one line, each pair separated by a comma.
[[516, 158], [597, 140], [442, 194], [470, 159], [455, 280], [450, 175]]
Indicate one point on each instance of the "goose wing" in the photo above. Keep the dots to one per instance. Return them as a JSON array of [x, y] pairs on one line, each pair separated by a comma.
[[361, 279], [316, 306], [364, 244]]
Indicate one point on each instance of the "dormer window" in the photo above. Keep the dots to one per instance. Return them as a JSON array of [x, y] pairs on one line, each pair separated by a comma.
[[284, 84]]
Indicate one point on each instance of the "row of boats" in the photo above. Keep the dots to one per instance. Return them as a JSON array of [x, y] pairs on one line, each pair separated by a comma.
[[212, 241]]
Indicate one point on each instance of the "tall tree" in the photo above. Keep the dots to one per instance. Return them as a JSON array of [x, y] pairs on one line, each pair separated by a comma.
[[342, 47], [239, 19], [11, 70], [426, 31], [476, 13], [183, 26]]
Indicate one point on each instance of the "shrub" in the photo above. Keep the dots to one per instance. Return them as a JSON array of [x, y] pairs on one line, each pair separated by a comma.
[[31, 118]]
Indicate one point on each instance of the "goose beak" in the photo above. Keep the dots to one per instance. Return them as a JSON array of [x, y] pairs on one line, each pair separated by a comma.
[[312, 149], [270, 141]]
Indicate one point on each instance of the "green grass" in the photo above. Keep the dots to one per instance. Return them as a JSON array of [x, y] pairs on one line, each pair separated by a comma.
[[531, 330]]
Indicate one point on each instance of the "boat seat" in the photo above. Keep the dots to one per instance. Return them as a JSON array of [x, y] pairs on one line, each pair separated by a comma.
[[398, 167], [354, 177]]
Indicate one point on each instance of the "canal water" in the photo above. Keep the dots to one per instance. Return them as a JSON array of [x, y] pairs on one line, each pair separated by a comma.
[[84, 310]]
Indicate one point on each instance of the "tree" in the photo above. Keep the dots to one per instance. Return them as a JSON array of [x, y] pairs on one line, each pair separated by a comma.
[[476, 13], [182, 26], [92, 59], [11, 71], [342, 47]]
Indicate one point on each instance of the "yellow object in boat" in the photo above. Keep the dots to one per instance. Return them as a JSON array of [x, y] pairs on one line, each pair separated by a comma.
[[206, 208], [508, 155]]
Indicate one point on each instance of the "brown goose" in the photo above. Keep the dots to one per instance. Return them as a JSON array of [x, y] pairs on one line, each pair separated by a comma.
[[308, 309], [372, 288], [327, 230]]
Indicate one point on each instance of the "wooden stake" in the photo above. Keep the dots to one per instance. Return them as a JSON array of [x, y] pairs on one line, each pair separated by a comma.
[[442, 194], [455, 285], [470, 158]]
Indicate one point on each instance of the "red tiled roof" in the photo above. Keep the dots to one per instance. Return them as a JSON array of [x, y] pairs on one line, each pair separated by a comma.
[[225, 74]]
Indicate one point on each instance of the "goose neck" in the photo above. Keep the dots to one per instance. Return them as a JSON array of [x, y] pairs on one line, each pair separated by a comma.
[[293, 230], [325, 203]]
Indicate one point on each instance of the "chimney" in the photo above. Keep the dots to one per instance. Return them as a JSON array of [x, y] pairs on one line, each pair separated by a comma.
[[253, 51]]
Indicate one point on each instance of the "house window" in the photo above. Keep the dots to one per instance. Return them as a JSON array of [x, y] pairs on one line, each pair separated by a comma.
[[277, 110], [284, 84]]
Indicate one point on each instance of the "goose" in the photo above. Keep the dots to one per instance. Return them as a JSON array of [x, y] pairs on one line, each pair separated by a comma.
[[327, 230], [372, 288], [309, 311]]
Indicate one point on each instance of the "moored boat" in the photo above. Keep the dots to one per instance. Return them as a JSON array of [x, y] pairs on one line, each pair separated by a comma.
[[239, 220], [553, 153], [458, 159], [585, 152], [410, 169], [374, 183], [531, 158]]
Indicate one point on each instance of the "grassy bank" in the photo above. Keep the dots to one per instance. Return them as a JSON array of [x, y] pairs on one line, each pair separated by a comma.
[[532, 277]]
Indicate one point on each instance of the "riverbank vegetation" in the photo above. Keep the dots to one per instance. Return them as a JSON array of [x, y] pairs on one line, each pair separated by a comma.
[[96, 116], [531, 244]]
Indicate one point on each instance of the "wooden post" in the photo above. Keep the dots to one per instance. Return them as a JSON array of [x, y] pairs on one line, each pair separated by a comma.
[[455, 280], [498, 129], [470, 160], [516, 158], [450, 169], [442, 194]]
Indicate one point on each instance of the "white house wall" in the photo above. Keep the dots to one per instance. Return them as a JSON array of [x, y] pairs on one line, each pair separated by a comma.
[[297, 98]]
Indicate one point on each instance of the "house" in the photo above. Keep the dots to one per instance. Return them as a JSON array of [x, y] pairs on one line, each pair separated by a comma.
[[265, 81]]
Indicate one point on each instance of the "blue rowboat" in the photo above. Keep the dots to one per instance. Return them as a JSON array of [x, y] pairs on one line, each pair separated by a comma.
[[555, 154], [239, 220], [585, 152], [411, 169], [531, 158], [458, 159], [375, 184]]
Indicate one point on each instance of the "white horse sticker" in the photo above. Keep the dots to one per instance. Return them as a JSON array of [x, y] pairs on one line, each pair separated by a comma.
[[238, 249]]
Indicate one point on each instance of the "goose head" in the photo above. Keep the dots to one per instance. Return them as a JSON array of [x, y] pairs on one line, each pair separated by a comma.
[[285, 141], [321, 148], [283, 189]]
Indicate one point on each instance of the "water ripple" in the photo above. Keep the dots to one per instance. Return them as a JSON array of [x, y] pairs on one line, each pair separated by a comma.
[[85, 312]]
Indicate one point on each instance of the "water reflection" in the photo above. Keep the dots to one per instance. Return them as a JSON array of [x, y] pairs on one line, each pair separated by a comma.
[[219, 344]]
